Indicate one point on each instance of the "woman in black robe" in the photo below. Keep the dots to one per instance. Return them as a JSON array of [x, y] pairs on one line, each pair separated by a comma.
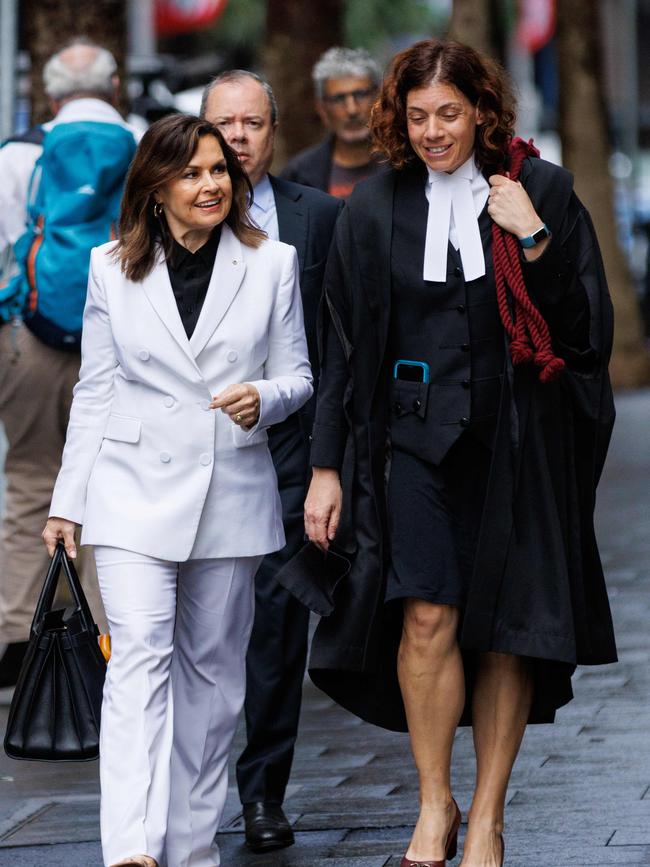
[[470, 573]]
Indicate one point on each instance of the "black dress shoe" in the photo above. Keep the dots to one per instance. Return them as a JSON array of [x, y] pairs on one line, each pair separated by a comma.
[[266, 827], [10, 662]]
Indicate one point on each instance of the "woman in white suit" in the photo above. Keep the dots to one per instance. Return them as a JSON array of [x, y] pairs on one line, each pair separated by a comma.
[[193, 344]]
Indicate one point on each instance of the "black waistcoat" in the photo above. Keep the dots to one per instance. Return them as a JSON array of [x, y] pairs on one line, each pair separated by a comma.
[[453, 326]]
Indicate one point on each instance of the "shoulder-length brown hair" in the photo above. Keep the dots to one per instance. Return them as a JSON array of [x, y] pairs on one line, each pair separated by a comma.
[[166, 148], [481, 80]]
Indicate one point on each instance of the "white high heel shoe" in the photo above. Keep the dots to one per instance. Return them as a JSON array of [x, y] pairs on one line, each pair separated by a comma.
[[137, 861]]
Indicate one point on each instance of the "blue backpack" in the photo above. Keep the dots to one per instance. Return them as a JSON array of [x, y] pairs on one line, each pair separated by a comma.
[[73, 206]]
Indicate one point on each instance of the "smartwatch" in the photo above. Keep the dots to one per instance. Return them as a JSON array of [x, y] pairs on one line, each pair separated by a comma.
[[536, 237]]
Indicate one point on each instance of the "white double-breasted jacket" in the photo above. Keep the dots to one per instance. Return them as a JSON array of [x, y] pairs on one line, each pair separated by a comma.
[[147, 465]]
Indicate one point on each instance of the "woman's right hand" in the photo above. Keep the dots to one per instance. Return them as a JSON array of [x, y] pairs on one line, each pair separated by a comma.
[[323, 506], [58, 529]]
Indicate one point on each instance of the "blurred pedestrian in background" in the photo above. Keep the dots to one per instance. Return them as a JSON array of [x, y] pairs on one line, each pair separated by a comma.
[[243, 107], [38, 368], [193, 310], [345, 85], [468, 315]]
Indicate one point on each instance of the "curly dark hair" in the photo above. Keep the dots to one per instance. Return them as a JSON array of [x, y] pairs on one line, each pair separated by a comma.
[[164, 151], [480, 79]]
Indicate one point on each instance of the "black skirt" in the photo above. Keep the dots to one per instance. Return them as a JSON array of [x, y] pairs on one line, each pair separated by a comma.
[[434, 515]]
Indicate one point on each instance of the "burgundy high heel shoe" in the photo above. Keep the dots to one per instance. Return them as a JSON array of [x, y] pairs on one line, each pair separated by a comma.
[[451, 847]]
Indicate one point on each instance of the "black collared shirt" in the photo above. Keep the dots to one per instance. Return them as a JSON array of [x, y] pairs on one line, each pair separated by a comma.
[[189, 274]]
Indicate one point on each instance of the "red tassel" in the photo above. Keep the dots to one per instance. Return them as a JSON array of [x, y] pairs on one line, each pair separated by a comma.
[[530, 339], [552, 369]]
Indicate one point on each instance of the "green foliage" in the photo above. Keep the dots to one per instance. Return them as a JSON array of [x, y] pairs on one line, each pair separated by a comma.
[[243, 22], [374, 23]]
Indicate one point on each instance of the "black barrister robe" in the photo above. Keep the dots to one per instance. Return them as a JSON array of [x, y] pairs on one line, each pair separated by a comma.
[[538, 588]]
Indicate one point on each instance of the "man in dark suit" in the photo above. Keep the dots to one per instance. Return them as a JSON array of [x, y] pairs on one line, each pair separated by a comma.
[[345, 87], [242, 106]]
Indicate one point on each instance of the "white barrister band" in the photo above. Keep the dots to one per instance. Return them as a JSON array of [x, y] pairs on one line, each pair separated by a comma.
[[455, 202], [435, 247]]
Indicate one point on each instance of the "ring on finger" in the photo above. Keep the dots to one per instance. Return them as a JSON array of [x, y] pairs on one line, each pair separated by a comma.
[[238, 418]]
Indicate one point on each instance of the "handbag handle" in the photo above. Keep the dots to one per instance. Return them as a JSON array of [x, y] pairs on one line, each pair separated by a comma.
[[46, 598]]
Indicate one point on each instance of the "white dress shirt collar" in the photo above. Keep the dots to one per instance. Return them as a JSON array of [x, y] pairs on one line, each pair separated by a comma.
[[263, 209], [263, 194]]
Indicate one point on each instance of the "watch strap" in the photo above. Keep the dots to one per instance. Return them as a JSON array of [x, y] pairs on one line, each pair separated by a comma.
[[536, 237]]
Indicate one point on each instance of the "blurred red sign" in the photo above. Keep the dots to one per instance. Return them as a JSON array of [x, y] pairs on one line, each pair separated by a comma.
[[536, 24], [183, 16]]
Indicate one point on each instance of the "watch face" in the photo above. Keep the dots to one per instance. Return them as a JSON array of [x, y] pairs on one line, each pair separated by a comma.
[[536, 237]]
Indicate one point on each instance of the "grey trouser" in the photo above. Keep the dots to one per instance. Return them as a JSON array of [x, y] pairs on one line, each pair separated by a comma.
[[36, 385]]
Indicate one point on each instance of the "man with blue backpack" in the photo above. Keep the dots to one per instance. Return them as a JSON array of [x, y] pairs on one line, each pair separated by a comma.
[[60, 196]]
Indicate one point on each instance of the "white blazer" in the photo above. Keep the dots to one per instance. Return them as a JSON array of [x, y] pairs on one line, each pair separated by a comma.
[[147, 465]]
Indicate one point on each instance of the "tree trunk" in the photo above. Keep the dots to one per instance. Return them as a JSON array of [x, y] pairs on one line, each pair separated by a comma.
[[474, 22], [50, 24], [298, 31], [586, 150]]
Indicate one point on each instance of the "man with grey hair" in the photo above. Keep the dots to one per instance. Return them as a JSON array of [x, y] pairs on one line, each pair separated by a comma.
[[81, 76], [36, 379], [345, 86], [242, 105]]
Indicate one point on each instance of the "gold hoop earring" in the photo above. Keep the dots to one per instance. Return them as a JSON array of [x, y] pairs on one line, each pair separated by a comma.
[[157, 209]]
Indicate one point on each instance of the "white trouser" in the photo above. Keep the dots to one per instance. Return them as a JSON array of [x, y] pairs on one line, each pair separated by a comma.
[[174, 688]]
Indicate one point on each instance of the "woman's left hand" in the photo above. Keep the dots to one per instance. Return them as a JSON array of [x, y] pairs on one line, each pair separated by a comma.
[[241, 402], [510, 207]]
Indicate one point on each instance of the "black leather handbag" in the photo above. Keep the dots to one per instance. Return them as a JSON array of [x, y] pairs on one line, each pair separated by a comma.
[[55, 711]]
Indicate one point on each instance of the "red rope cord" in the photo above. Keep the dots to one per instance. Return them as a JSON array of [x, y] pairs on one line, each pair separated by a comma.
[[530, 339]]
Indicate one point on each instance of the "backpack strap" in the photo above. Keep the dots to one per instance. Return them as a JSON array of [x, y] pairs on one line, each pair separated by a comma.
[[35, 135], [32, 298]]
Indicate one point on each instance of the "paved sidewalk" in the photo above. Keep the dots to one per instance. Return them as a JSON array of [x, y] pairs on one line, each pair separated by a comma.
[[580, 794]]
